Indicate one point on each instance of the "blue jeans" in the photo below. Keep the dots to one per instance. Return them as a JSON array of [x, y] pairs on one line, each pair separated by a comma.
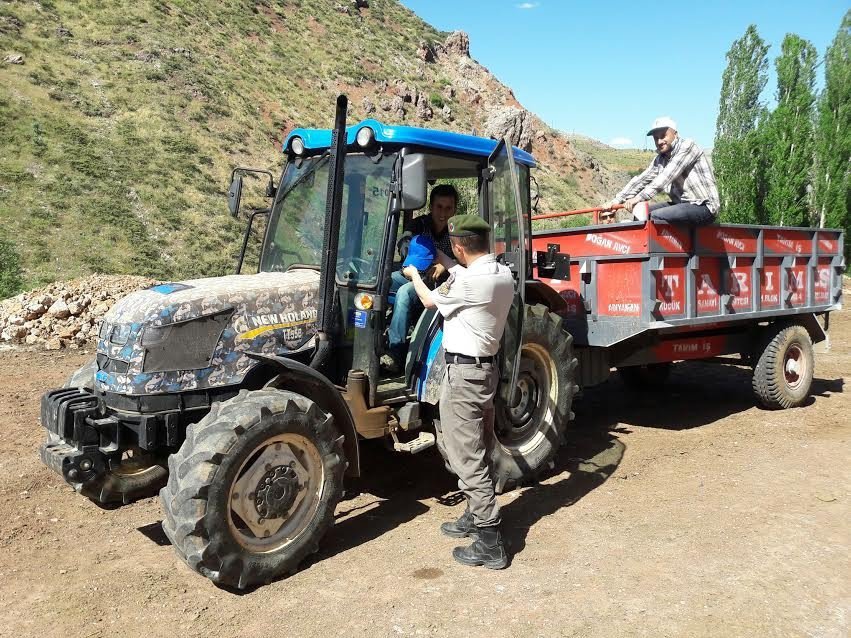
[[693, 214], [406, 301]]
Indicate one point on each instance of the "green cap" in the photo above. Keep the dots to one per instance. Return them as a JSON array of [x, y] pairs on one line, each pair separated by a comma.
[[466, 225]]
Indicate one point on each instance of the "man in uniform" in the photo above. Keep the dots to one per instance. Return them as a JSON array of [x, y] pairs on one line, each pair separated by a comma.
[[682, 171], [474, 302]]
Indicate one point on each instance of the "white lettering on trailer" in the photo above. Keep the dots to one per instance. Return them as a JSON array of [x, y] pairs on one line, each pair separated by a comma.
[[792, 245], [738, 244], [823, 280], [796, 281], [608, 243], [706, 285], [667, 234], [740, 283], [769, 281], [623, 307], [671, 306], [693, 347]]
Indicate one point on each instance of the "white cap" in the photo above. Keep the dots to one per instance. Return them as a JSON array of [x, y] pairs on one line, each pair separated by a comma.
[[662, 122]]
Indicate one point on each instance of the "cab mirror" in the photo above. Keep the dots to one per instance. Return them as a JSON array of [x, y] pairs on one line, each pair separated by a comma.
[[234, 195], [413, 181]]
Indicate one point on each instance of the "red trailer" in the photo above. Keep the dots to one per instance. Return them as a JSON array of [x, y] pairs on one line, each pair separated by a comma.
[[640, 295]]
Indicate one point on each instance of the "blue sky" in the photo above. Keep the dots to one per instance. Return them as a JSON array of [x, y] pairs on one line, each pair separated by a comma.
[[607, 69]]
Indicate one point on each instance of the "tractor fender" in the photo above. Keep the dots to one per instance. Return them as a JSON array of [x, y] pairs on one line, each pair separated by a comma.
[[537, 292], [304, 380]]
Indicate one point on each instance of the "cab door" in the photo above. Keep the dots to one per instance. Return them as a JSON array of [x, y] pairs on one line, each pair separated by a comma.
[[509, 239]]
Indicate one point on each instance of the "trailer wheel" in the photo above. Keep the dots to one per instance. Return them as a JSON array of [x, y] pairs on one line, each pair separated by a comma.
[[645, 377], [784, 370], [253, 488], [528, 433]]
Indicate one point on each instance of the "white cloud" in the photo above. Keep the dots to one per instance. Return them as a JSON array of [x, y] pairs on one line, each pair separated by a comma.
[[620, 141], [528, 5]]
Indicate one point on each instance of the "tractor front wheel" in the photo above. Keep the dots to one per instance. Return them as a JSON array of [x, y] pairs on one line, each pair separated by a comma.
[[253, 488]]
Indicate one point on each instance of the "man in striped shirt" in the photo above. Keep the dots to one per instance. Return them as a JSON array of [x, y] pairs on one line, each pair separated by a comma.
[[682, 171]]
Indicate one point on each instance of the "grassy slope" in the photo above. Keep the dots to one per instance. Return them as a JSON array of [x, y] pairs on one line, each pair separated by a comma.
[[118, 133]]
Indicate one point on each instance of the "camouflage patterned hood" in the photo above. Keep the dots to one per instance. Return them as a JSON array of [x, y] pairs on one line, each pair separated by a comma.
[[195, 334]]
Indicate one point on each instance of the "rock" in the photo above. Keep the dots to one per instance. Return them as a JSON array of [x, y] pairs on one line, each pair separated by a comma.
[[16, 333], [384, 104], [449, 92], [368, 106], [34, 311], [510, 122], [424, 110], [31, 340], [397, 106], [425, 52], [14, 58], [342, 8], [15, 320], [446, 113], [361, 4], [54, 343], [68, 332], [59, 309], [457, 43], [63, 32], [75, 308]]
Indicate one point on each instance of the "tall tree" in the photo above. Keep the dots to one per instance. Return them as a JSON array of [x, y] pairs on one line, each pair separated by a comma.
[[737, 156], [789, 135], [832, 194]]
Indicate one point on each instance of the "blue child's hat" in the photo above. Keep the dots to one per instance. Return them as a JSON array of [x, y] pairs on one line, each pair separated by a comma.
[[421, 252]]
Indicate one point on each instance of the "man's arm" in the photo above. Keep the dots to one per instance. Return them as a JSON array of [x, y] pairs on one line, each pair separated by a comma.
[[686, 157], [423, 291], [636, 184]]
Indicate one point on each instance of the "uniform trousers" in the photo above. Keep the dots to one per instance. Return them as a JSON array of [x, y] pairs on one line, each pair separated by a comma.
[[466, 437]]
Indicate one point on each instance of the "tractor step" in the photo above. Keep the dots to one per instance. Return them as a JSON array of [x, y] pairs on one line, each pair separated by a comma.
[[423, 441]]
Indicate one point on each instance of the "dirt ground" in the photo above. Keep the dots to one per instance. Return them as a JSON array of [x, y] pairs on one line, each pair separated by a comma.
[[687, 512]]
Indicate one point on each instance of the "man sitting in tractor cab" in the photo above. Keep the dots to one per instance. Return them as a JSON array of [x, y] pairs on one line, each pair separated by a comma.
[[442, 204]]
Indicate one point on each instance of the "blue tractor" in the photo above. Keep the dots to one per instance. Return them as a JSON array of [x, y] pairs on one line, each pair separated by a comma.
[[248, 395]]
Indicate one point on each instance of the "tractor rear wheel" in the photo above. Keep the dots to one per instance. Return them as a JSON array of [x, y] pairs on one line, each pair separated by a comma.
[[530, 431], [253, 488], [784, 370]]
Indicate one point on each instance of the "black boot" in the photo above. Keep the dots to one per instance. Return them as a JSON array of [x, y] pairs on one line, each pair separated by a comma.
[[462, 528], [486, 550]]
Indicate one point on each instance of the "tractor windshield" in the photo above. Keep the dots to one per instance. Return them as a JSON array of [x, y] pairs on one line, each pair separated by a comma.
[[297, 224]]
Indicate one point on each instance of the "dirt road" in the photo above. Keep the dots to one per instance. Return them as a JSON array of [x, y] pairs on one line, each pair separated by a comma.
[[688, 512]]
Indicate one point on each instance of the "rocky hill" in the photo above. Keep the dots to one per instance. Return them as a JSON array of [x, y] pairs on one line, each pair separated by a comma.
[[120, 121]]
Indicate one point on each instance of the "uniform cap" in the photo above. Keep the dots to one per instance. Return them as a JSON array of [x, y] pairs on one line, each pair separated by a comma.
[[421, 252], [662, 122], [466, 225]]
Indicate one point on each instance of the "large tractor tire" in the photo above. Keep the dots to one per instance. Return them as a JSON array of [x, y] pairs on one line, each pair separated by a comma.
[[784, 368], [646, 377], [529, 432], [253, 488]]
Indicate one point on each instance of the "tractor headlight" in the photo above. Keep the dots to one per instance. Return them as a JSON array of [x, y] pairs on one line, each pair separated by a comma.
[[297, 146], [365, 137], [187, 345]]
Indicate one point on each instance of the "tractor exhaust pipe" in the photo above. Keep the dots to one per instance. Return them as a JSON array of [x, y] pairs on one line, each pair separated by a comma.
[[330, 244]]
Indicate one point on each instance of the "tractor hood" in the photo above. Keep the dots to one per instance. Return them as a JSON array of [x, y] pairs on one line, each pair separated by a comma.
[[197, 334]]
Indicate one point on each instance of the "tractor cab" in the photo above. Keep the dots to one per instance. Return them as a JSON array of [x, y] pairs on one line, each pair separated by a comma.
[[349, 231]]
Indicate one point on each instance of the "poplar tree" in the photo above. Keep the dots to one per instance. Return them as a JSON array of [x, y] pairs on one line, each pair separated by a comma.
[[789, 135], [832, 194], [737, 154]]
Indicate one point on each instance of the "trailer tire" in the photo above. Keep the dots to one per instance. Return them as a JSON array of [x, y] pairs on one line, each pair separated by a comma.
[[645, 377], [783, 372], [252, 490], [529, 433]]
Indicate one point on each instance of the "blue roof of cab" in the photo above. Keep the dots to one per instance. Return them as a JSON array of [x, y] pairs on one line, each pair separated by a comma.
[[320, 139]]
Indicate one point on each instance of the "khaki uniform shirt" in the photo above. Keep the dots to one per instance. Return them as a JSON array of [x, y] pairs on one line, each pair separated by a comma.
[[474, 302]]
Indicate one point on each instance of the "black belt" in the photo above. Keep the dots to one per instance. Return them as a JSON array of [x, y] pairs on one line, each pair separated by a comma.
[[452, 357]]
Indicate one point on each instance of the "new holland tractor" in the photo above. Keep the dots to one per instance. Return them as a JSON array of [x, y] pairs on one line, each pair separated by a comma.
[[248, 395]]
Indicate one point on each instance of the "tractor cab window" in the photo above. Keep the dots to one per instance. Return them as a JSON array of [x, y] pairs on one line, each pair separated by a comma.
[[297, 223], [366, 195]]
